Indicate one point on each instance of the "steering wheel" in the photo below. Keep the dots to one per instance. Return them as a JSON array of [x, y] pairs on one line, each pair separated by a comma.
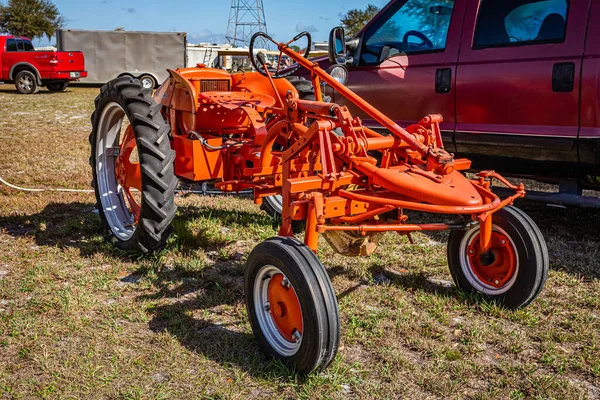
[[424, 40], [276, 73]]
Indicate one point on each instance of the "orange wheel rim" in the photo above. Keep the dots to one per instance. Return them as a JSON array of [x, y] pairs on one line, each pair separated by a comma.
[[501, 265], [129, 173], [285, 308]]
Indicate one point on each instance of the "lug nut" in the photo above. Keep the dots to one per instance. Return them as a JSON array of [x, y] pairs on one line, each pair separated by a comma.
[[297, 336], [497, 282], [267, 307], [471, 251], [285, 283], [503, 242]]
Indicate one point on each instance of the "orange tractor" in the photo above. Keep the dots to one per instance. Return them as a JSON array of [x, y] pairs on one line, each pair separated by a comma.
[[348, 183]]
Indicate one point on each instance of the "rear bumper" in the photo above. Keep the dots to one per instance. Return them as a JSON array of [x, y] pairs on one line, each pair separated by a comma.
[[66, 75]]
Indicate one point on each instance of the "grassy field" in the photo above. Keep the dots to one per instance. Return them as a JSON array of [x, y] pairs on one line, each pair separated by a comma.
[[80, 320]]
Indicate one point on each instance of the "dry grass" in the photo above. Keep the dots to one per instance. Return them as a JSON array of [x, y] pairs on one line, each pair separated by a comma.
[[81, 320]]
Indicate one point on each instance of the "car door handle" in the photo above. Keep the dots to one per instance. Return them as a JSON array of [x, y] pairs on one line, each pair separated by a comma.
[[563, 77], [443, 80]]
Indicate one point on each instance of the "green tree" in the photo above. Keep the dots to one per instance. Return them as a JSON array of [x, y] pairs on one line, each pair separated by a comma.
[[354, 20], [30, 18]]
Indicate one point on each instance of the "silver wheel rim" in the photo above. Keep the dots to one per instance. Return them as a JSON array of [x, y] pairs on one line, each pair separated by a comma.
[[148, 83], [263, 313], [113, 203], [26, 83], [467, 269]]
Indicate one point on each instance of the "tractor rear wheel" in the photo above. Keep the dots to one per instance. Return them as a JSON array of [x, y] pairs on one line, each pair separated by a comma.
[[132, 167], [515, 269], [291, 304]]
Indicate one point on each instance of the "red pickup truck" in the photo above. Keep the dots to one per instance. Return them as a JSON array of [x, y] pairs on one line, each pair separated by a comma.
[[30, 69], [517, 82]]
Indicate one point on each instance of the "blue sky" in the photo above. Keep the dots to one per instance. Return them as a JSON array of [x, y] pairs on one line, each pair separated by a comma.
[[205, 20]]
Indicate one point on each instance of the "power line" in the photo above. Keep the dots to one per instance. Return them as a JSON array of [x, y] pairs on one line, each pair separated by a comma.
[[246, 17]]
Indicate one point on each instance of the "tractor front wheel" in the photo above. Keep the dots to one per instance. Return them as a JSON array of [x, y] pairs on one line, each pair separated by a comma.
[[514, 269], [291, 304], [132, 167]]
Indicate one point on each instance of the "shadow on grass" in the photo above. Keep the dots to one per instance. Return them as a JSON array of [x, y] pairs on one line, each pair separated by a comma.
[[63, 225], [572, 235], [220, 290], [77, 225], [208, 227]]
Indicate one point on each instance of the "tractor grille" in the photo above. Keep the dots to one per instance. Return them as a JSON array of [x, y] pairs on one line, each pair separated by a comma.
[[214, 85]]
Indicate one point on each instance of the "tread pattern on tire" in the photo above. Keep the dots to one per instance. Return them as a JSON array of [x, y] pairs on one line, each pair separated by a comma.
[[156, 158], [36, 87], [539, 255], [321, 291]]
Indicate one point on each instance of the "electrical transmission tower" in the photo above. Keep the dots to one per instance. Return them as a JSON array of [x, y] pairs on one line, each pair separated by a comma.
[[245, 19]]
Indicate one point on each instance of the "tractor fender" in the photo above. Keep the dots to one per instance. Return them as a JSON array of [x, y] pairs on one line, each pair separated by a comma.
[[179, 96]]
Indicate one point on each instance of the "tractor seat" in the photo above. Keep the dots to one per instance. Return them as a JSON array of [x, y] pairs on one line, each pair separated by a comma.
[[233, 100]]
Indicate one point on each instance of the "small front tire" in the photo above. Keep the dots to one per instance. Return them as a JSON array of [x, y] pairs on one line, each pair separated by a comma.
[[291, 304], [513, 272]]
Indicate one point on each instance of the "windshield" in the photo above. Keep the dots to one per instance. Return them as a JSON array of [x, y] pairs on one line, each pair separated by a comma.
[[408, 27]]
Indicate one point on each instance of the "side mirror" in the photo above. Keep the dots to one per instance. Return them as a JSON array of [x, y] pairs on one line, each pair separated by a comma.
[[337, 46]]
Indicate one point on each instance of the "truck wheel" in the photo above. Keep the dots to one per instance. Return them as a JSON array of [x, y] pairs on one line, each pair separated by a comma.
[[26, 83], [133, 173], [148, 82], [513, 272], [291, 304], [57, 86]]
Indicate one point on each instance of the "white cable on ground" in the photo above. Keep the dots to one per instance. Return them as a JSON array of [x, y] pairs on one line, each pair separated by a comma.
[[45, 190], [38, 190]]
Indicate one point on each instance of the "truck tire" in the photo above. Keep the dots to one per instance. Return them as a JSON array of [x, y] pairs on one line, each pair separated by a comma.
[[26, 82], [59, 86], [148, 229]]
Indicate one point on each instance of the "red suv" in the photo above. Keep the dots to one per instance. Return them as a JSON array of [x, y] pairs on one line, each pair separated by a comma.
[[517, 81]]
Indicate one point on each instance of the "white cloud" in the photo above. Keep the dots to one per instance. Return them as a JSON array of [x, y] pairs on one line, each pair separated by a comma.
[[300, 27]]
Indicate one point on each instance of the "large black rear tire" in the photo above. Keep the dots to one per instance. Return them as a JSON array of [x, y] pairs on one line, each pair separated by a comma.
[[307, 343], [126, 98]]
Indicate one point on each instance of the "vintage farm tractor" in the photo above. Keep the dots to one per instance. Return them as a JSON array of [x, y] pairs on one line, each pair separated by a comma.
[[348, 183]]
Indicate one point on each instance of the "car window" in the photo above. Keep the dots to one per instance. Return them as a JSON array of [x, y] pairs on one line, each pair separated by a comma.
[[509, 23], [409, 27], [20, 46], [11, 45], [28, 46]]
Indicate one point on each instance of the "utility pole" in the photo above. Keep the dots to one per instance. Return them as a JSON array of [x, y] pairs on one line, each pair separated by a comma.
[[245, 19]]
